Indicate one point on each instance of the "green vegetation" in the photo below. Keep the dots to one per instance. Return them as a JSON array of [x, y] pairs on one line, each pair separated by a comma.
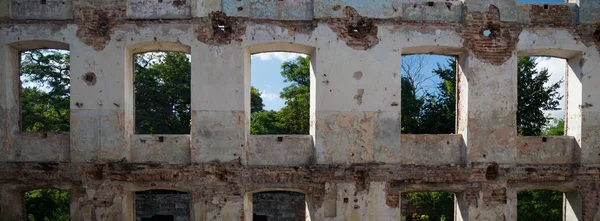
[[431, 206], [45, 91], [539, 205], [48, 205], [162, 93], [294, 117]]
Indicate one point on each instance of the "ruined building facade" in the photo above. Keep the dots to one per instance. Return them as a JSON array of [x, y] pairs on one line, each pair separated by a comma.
[[355, 163]]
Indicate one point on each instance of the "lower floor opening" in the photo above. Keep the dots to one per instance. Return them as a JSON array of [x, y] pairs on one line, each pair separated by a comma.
[[544, 205], [162, 205], [279, 206], [427, 206], [48, 204]]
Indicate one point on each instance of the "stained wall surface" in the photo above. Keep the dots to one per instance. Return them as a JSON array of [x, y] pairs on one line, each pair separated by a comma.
[[355, 163]]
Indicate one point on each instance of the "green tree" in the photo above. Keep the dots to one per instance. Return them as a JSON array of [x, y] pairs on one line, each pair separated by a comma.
[[48, 205], [411, 107], [256, 102], [432, 206], [162, 93], [439, 112], [539, 205], [265, 122], [294, 117], [45, 90], [556, 128], [534, 98]]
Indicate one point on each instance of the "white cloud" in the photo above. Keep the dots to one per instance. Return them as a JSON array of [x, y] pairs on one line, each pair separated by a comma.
[[557, 68], [282, 56], [270, 96]]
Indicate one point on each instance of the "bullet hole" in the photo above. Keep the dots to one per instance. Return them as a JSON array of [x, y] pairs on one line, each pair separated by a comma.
[[484, 156], [78, 104], [357, 75], [530, 170], [221, 26], [142, 141], [394, 104], [356, 200], [544, 139], [356, 207], [43, 2], [45, 135], [345, 200], [177, 3], [430, 4], [491, 173], [360, 30], [279, 139], [546, 6], [240, 9], [487, 33], [448, 142], [161, 139], [90, 78], [449, 5]]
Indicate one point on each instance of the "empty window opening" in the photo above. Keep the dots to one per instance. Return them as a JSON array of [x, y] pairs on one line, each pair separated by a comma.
[[162, 205], [279, 206], [541, 102], [427, 206], [539, 205], [45, 90], [280, 93], [48, 204], [428, 94], [162, 93]]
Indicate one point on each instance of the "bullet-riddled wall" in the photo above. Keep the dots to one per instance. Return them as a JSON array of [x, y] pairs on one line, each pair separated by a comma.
[[355, 163]]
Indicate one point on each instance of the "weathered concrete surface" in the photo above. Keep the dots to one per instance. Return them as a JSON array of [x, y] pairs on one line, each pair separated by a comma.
[[355, 162], [162, 9], [33, 9], [172, 149], [280, 150]]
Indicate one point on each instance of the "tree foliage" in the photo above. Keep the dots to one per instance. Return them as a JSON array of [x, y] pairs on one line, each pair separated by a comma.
[[48, 205], [534, 97], [432, 206], [45, 91], [162, 93], [539, 205], [294, 117], [256, 102]]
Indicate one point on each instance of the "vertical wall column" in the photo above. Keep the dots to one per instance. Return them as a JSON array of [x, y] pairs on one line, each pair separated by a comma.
[[8, 110], [583, 104], [488, 100], [357, 103], [97, 104], [12, 204], [218, 116]]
